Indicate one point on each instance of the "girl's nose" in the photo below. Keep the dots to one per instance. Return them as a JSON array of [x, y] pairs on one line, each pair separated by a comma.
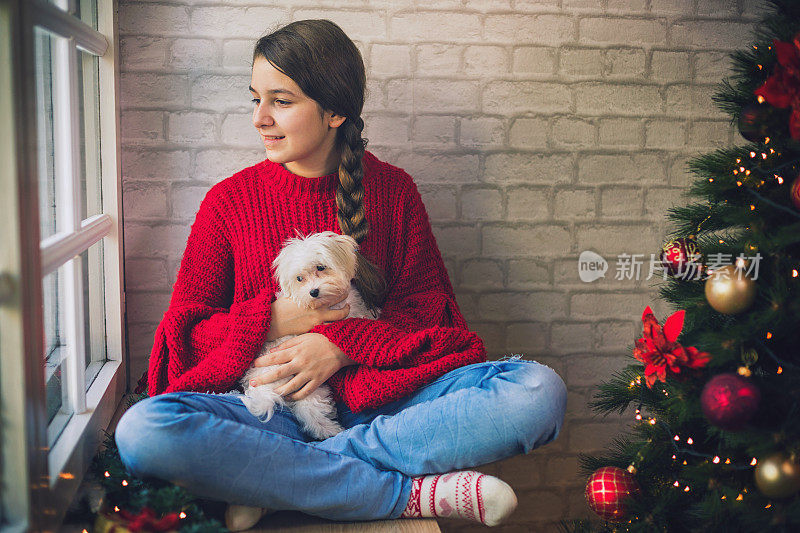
[[262, 118]]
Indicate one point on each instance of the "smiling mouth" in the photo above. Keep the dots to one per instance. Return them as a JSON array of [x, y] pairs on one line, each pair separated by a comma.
[[273, 137]]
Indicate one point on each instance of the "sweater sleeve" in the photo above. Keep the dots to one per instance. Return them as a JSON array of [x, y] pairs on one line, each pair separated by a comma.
[[420, 321], [205, 342]]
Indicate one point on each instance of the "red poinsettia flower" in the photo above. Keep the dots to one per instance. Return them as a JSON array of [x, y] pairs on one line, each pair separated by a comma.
[[660, 352], [782, 88]]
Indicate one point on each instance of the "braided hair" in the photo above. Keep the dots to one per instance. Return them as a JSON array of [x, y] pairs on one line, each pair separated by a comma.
[[322, 60]]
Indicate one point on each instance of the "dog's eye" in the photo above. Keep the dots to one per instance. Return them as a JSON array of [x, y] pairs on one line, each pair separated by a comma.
[[320, 267], [299, 278]]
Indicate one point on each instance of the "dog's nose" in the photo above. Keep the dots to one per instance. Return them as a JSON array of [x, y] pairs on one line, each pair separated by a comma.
[[314, 293]]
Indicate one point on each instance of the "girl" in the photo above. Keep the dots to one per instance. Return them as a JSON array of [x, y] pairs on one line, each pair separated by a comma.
[[413, 389]]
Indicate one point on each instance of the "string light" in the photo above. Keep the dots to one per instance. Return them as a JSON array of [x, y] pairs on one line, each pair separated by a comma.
[[766, 141], [738, 183], [769, 335], [689, 441], [754, 462], [685, 463], [760, 99], [716, 459], [728, 461], [182, 515], [794, 272], [106, 474], [686, 489], [741, 169], [724, 497], [763, 155], [124, 482], [739, 497], [674, 456], [116, 509], [677, 438], [752, 207], [768, 506], [752, 154], [780, 370], [652, 421], [711, 180]]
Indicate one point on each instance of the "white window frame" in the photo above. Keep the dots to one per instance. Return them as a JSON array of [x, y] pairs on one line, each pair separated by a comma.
[[38, 483]]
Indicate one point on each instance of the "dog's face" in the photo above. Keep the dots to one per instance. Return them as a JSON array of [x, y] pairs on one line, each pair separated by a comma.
[[315, 271]]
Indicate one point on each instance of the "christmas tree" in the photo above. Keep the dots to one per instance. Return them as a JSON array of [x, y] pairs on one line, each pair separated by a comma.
[[714, 389]]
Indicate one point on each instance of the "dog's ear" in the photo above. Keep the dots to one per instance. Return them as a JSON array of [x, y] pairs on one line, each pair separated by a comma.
[[347, 240]]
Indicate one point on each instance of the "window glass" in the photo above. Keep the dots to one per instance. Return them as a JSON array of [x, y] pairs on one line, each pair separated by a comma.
[[58, 410], [89, 140], [44, 48], [94, 308]]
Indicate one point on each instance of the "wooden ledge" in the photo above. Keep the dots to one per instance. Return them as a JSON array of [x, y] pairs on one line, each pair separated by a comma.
[[297, 522]]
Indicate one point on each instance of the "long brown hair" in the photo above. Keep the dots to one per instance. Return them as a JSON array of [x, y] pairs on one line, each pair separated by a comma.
[[322, 60]]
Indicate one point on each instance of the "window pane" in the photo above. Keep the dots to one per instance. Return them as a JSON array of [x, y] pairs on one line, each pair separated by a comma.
[[95, 308], [89, 141], [44, 48], [58, 410], [87, 12]]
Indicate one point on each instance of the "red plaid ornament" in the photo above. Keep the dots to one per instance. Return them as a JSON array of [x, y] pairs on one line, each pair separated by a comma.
[[608, 489]]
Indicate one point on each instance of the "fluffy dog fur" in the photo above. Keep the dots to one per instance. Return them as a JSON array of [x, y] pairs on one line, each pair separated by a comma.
[[314, 272]]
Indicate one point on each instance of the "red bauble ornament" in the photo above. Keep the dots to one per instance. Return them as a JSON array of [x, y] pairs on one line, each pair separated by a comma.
[[607, 492], [681, 257], [794, 192], [730, 401]]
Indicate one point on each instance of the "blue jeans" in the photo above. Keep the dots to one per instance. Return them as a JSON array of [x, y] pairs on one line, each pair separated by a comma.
[[213, 446]]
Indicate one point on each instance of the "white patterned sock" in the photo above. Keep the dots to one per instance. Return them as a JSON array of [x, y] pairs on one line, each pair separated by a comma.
[[466, 494]]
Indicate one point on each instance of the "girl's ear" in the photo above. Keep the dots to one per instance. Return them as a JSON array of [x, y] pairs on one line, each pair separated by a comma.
[[336, 120]]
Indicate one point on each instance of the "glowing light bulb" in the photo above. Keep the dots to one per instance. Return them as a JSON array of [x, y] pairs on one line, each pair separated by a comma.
[[686, 489], [780, 370], [716, 459], [769, 335], [689, 441], [182, 515], [677, 438], [106, 474], [739, 497], [794, 272], [124, 482], [676, 484]]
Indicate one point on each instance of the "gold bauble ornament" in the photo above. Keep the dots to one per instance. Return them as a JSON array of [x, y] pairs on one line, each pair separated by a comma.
[[777, 476], [729, 290]]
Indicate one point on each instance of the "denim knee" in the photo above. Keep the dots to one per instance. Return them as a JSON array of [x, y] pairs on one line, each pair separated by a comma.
[[143, 435], [542, 406]]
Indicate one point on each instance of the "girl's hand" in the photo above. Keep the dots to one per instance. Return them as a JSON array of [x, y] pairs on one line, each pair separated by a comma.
[[287, 318], [310, 357]]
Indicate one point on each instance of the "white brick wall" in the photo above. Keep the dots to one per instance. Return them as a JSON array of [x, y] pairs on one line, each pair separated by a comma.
[[535, 129]]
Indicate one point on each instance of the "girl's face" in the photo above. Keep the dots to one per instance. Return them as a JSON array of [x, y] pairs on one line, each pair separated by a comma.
[[296, 132]]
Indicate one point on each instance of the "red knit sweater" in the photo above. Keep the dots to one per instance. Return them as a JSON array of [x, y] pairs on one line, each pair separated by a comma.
[[219, 313]]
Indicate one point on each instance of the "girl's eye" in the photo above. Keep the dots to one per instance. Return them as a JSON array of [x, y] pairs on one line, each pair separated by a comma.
[[282, 102], [320, 267], [256, 101], [299, 278]]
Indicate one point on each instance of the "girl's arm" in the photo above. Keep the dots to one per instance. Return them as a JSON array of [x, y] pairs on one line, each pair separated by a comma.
[[204, 343]]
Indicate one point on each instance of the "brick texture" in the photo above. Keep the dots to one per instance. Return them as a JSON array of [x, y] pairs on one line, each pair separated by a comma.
[[535, 129]]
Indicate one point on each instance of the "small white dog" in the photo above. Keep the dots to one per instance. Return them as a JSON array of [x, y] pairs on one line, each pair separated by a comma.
[[314, 272]]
